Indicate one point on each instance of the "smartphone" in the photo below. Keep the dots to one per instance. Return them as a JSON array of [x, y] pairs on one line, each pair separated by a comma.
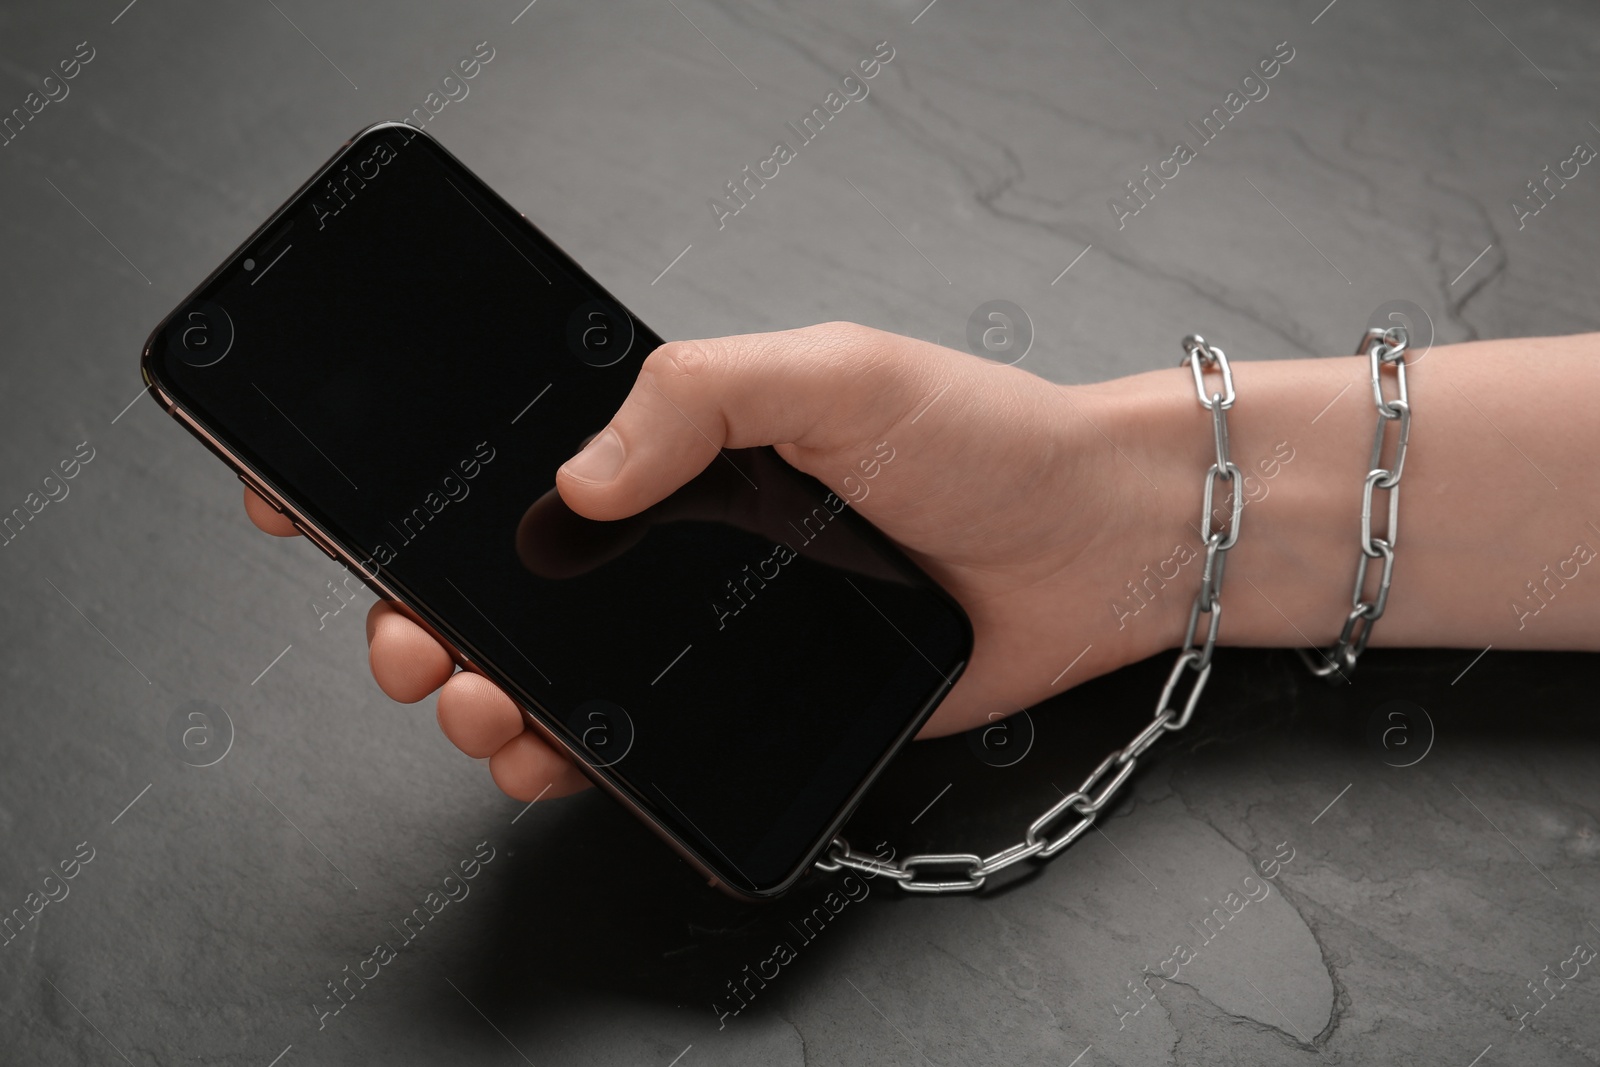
[[399, 361]]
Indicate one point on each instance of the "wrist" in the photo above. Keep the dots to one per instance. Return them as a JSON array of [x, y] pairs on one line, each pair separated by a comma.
[[1472, 569], [1287, 580], [1149, 443]]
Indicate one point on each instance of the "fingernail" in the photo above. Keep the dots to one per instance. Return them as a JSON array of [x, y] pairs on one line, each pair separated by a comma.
[[599, 461]]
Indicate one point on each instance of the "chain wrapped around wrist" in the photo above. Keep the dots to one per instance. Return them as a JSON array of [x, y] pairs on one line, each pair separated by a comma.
[[1383, 348], [965, 871]]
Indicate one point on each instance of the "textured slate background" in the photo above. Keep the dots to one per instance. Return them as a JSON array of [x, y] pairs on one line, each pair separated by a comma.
[[218, 905]]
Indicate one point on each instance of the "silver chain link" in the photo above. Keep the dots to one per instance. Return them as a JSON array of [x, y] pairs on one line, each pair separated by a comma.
[[918, 873], [1383, 348]]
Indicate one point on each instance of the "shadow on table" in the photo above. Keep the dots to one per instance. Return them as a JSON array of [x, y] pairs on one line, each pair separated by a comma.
[[599, 904]]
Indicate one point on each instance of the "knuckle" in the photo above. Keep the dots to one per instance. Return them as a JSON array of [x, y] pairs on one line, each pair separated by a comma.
[[883, 370], [841, 337], [680, 359]]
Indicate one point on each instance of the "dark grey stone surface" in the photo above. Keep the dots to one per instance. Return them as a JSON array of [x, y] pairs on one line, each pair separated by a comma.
[[220, 901]]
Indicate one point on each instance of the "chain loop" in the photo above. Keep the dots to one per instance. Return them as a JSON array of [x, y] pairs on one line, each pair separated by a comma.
[[1202, 675], [1204, 653], [1231, 474], [1006, 857], [1383, 348], [915, 873], [1373, 608], [1147, 737], [1199, 355], [1092, 808], [966, 861], [1054, 812], [1080, 828], [1211, 572], [1386, 347], [1401, 443], [1369, 543]]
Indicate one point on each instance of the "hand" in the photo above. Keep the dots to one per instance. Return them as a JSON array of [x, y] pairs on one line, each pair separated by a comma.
[[1001, 485]]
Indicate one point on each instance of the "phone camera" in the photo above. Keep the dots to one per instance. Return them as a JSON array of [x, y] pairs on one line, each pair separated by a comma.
[[604, 729], [201, 334], [600, 333]]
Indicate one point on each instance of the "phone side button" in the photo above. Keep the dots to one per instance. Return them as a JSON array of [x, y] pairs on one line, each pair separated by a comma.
[[250, 484], [317, 539]]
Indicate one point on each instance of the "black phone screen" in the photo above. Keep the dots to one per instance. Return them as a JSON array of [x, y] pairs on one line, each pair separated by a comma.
[[406, 359]]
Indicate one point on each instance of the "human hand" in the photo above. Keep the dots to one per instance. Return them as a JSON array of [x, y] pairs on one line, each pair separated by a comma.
[[1000, 484]]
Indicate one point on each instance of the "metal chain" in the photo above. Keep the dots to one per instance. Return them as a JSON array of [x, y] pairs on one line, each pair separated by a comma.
[[917, 873], [1383, 348]]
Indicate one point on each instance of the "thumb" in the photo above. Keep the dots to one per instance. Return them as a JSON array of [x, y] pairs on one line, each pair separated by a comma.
[[821, 389]]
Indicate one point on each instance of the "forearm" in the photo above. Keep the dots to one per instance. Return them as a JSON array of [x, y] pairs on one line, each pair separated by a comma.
[[1499, 516]]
